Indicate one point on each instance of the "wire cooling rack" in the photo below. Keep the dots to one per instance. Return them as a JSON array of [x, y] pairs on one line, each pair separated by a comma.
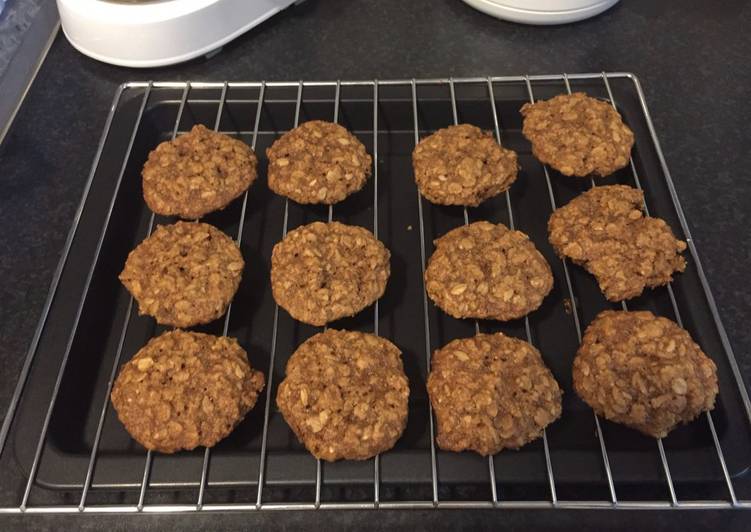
[[62, 451]]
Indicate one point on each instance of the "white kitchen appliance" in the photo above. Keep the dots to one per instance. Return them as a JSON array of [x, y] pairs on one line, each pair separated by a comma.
[[150, 33], [542, 11]]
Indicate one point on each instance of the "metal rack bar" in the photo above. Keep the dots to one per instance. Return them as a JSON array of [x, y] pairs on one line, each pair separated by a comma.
[[317, 503], [121, 344], [337, 96], [575, 312], [377, 459], [666, 470], [254, 139], [433, 464], [491, 465], [390, 505], [679, 320], [207, 450], [81, 304], [577, 324], [512, 225], [370, 83], [145, 480], [275, 329], [238, 241], [319, 471], [721, 458]]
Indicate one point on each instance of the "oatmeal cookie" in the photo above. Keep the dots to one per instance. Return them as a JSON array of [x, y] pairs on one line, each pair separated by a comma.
[[605, 231], [345, 395], [644, 372], [321, 272], [491, 392], [577, 135], [462, 165], [184, 389], [318, 162], [197, 173], [487, 271], [184, 274]]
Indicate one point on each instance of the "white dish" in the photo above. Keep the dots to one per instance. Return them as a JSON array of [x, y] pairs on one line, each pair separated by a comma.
[[159, 32], [542, 11]]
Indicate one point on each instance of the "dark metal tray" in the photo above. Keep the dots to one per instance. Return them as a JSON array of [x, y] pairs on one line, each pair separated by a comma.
[[66, 451]]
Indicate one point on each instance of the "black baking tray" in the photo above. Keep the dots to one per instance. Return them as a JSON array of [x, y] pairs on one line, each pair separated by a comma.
[[405, 471]]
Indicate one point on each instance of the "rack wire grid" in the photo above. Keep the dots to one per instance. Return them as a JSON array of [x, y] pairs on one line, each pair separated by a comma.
[[62, 451]]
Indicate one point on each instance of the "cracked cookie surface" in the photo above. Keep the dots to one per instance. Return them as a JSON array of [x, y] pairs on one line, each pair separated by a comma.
[[491, 392], [643, 371], [321, 272], [577, 135], [487, 271], [462, 165], [197, 173], [184, 389], [318, 162], [345, 395], [184, 274], [605, 231]]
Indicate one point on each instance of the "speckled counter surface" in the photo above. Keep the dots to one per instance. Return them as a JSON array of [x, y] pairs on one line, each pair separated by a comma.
[[691, 56], [15, 18]]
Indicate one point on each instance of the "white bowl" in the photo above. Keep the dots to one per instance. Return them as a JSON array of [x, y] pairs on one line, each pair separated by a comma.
[[159, 32], [542, 11]]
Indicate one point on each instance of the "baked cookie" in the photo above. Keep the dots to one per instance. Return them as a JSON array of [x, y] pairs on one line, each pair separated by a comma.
[[197, 173], [184, 274], [462, 165], [487, 271], [321, 272], [345, 395], [577, 135], [605, 231], [318, 162], [644, 372], [184, 389], [491, 392]]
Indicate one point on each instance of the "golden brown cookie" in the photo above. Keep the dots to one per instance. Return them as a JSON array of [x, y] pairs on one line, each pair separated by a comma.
[[491, 392], [605, 231], [321, 272], [197, 173], [644, 372], [577, 135], [487, 271], [184, 389], [184, 274], [462, 165], [345, 395], [318, 162]]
